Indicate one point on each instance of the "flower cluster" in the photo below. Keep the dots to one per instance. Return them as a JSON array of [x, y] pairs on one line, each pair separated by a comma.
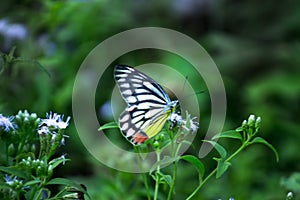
[[37, 167], [54, 120], [182, 126], [51, 132], [14, 185], [28, 160], [250, 126], [27, 122], [13, 182], [189, 124], [253, 122]]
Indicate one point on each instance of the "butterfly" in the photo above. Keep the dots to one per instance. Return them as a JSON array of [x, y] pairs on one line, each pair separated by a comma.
[[148, 105]]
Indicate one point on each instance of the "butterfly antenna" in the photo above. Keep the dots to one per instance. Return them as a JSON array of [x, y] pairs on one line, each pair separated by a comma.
[[183, 87], [196, 93]]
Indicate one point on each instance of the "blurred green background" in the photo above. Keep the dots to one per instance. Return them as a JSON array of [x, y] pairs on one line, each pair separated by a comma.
[[255, 44]]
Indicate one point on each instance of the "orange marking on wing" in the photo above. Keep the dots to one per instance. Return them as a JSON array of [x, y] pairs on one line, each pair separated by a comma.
[[139, 138]]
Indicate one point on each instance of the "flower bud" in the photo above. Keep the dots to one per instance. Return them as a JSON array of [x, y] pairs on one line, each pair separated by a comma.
[[74, 196], [289, 195], [244, 125], [258, 122], [18, 117], [39, 171], [156, 144], [26, 148], [33, 148], [11, 150], [50, 170], [251, 120], [162, 137], [33, 115]]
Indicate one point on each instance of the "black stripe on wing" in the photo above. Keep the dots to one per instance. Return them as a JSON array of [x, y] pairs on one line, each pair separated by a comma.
[[129, 129], [136, 86], [141, 117]]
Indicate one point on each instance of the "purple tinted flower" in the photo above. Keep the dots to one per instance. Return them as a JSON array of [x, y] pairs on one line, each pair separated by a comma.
[[62, 142], [12, 32], [6, 123], [63, 157], [9, 180]]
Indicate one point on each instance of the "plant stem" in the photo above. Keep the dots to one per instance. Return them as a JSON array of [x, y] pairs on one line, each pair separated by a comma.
[[173, 181], [146, 186], [136, 149], [157, 174], [58, 194], [34, 194], [174, 153], [201, 184], [244, 145], [7, 156]]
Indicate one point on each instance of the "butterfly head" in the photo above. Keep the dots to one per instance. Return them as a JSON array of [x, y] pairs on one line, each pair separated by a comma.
[[171, 106]]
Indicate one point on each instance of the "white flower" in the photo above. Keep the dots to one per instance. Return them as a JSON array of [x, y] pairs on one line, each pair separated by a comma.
[[193, 125], [43, 130], [62, 125], [55, 120], [175, 120], [53, 137]]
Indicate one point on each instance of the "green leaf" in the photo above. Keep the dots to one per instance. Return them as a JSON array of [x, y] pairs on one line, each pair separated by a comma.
[[164, 162], [195, 162], [292, 182], [67, 182], [165, 178], [263, 141], [14, 170], [142, 150], [63, 181], [220, 149], [4, 186], [108, 126], [33, 182], [222, 167], [228, 134], [239, 129], [55, 162]]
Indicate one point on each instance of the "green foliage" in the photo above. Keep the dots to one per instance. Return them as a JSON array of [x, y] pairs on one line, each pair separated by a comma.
[[195, 162], [292, 183], [108, 126], [246, 133], [255, 45], [28, 145]]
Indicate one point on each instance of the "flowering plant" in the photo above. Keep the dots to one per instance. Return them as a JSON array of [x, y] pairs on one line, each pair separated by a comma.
[[29, 145], [246, 134]]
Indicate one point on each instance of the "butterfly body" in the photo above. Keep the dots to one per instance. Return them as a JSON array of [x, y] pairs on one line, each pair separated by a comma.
[[149, 106]]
